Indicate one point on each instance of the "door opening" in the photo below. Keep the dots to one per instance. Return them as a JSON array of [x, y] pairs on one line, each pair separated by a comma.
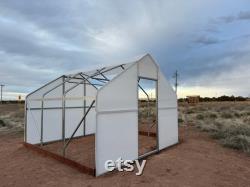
[[147, 116]]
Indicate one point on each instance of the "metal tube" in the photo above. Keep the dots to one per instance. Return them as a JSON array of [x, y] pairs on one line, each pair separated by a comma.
[[67, 143], [2, 92], [68, 79], [82, 75], [63, 111], [84, 109], [41, 135], [147, 105], [58, 108]]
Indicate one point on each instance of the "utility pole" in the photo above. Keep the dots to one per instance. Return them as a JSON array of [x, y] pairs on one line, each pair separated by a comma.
[[2, 92], [176, 75]]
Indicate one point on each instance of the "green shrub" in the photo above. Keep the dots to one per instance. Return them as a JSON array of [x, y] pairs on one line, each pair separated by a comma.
[[226, 115], [213, 116], [240, 142], [180, 120], [2, 124], [209, 128], [190, 112], [236, 114], [230, 131], [200, 117]]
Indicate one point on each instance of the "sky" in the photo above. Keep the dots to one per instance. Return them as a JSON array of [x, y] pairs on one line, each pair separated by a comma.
[[207, 41]]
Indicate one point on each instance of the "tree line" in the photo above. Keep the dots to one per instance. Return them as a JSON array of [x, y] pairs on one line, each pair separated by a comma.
[[221, 98]]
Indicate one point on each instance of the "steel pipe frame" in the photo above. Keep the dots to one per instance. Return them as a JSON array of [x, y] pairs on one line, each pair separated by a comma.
[[42, 104], [63, 100], [147, 102], [58, 108], [98, 72], [79, 124]]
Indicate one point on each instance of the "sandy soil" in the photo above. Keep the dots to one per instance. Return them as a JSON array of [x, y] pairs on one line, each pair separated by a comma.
[[197, 161]]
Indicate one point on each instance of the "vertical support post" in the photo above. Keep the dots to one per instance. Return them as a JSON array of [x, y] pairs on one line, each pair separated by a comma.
[[176, 75], [41, 135], [148, 115], [63, 110], [84, 107], [25, 120], [157, 109], [2, 93]]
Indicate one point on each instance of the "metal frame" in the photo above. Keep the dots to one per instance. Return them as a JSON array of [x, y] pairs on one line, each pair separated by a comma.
[[66, 79], [84, 79], [157, 129], [79, 124]]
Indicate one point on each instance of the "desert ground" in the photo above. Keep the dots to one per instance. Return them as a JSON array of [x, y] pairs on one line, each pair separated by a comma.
[[213, 151]]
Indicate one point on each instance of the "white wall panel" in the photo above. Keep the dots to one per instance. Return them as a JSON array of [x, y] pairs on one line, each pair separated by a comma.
[[75, 96], [167, 113], [91, 122], [52, 125], [147, 68], [38, 94], [120, 93], [54, 98], [117, 129], [90, 94], [166, 95], [116, 136], [33, 128], [72, 119], [168, 127]]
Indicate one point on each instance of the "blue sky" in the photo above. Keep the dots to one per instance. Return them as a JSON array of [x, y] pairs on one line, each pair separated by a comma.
[[208, 42]]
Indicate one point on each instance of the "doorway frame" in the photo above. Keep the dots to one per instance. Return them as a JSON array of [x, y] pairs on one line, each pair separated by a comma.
[[157, 127]]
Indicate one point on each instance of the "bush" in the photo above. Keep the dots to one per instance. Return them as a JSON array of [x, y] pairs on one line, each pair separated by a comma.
[[2, 124], [226, 115], [236, 114], [225, 132], [240, 142], [190, 112], [180, 120], [200, 117], [209, 128], [213, 116]]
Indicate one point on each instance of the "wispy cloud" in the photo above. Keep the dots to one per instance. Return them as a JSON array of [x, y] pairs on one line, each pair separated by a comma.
[[205, 40], [40, 40]]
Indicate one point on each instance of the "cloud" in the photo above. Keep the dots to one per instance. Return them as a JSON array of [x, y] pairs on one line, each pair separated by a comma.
[[40, 40], [205, 40], [244, 15], [241, 16]]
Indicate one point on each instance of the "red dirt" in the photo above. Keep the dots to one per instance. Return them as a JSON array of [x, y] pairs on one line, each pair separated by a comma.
[[82, 149], [198, 161]]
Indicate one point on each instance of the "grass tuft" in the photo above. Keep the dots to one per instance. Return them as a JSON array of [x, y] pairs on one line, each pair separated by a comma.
[[226, 115], [2, 124], [200, 117]]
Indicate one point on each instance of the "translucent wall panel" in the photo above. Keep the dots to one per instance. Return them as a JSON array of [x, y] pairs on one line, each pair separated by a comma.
[[33, 127], [34, 99], [74, 97], [147, 68], [167, 113], [117, 120], [168, 127], [72, 119], [52, 125], [91, 122]]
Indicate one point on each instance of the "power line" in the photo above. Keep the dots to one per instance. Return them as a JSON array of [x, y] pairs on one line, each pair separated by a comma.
[[176, 75]]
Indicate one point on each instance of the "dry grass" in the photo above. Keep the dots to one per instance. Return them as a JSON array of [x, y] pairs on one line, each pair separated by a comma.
[[11, 118], [229, 122]]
